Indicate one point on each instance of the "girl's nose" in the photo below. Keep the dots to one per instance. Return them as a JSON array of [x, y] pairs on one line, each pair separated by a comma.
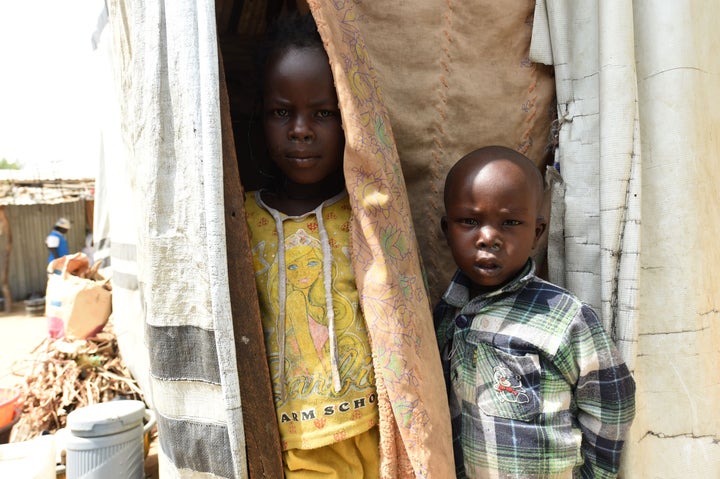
[[489, 238], [300, 130]]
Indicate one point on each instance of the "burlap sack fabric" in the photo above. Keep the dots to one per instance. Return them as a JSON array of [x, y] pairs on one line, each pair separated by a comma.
[[455, 76]]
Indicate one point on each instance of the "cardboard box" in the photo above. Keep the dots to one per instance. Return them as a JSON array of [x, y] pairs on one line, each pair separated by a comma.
[[76, 307], [90, 312]]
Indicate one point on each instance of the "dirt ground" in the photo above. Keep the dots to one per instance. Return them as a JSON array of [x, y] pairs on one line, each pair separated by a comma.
[[20, 335]]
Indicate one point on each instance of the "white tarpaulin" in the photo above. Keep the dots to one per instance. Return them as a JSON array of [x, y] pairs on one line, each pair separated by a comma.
[[637, 83], [169, 197], [639, 228]]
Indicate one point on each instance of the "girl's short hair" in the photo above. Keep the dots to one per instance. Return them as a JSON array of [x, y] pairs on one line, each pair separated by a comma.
[[289, 30], [293, 30]]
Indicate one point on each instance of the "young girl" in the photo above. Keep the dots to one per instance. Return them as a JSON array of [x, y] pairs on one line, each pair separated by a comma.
[[317, 343]]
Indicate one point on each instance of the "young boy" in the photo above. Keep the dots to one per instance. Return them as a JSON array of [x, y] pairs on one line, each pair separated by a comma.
[[537, 388]]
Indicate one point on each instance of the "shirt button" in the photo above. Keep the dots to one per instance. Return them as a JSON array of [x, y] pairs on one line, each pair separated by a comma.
[[462, 321]]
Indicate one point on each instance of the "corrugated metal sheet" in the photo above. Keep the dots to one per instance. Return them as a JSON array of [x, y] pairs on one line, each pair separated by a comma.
[[44, 192], [29, 225]]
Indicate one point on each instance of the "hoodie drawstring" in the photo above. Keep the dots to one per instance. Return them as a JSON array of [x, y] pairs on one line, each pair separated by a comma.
[[282, 292]]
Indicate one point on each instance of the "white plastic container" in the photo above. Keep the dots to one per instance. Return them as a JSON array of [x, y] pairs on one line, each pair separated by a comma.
[[33, 459], [106, 441]]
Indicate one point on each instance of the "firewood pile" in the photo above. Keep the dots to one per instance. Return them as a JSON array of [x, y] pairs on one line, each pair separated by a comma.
[[66, 375]]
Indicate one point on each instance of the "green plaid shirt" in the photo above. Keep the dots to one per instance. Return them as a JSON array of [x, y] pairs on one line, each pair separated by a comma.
[[537, 388]]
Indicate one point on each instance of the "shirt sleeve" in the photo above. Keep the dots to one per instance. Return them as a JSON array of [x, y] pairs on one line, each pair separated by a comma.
[[52, 241], [604, 394]]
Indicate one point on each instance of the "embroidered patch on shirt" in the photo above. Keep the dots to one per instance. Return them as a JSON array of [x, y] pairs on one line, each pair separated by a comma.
[[508, 386]]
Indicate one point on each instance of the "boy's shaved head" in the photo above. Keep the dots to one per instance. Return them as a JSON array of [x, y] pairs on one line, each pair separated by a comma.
[[493, 215], [477, 159]]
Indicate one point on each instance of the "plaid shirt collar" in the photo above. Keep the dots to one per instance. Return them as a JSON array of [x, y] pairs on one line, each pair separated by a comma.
[[458, 293]]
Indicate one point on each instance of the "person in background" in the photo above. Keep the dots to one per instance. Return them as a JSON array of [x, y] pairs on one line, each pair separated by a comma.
[[89, 248], [56, 243], [537, 388]]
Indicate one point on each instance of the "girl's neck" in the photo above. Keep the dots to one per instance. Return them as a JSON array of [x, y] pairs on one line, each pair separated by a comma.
[[296, 199]]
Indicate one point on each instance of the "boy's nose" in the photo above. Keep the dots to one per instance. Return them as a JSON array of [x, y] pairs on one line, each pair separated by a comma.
[[489, 238], [300, 131]]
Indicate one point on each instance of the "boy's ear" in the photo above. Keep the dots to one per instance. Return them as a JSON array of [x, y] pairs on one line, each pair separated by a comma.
[[540, 227], [444, 225]]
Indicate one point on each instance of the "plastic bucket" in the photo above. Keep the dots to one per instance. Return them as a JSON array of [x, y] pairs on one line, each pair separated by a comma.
[[35, 307], [9, 398], [106, 440], [6, 431], [34, 459]]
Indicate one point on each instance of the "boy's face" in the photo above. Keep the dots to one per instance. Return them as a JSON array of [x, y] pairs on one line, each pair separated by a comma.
[[491, 222], [302, 121]]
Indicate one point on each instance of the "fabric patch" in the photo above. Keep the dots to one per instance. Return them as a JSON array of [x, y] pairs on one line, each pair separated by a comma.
[[186, 444], [175, 351]]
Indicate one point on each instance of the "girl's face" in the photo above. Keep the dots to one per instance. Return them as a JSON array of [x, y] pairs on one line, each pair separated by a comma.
[[302, 122]]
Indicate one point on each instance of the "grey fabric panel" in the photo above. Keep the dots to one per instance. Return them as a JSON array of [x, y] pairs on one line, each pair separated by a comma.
[[125, 281], [182, 353], [196, 446]]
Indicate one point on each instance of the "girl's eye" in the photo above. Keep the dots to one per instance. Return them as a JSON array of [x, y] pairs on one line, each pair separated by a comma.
[[512, 222], [469, 221], [293, 267], [325, 114], [313, 263], [280, 112]]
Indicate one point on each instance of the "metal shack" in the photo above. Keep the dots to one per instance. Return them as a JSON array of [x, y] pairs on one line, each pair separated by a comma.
[[30, 207]]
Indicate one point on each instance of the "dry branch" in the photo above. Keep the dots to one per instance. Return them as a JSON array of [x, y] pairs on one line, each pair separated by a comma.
[[67, 375]]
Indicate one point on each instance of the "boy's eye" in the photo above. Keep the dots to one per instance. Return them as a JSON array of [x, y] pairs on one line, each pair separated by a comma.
[[325, 114], [468, 221], [280, 112], [512, 222]]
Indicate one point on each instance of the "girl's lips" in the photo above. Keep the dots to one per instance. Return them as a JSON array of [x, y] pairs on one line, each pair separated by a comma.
[[299, 154], [301, 159]]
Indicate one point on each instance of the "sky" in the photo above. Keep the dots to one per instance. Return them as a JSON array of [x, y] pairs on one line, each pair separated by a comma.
[[47, 84]]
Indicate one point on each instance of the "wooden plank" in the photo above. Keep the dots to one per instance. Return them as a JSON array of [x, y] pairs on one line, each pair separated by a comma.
[[5, 282], [261, 430]]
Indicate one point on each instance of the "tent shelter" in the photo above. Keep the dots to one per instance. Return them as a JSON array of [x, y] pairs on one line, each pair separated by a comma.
[[631, 84]]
